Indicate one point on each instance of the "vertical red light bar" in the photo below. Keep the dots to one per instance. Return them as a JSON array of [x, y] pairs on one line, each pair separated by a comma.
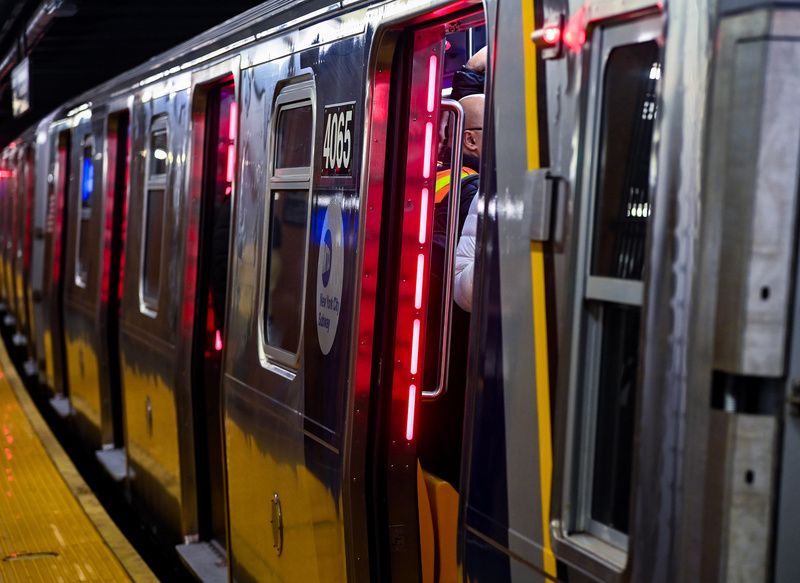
[[433, 73], [417, 222], [423, 216], [420, 279], [412, 401], [426, 160], [232, 127]]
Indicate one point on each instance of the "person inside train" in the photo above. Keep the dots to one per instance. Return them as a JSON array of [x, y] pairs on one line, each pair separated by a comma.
[[465, 258], [465, 251], [468, 89]]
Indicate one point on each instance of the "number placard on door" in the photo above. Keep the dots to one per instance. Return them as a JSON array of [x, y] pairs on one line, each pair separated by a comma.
[[337, 146]]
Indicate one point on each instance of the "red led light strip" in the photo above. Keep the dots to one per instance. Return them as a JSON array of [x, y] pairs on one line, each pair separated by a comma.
[[417, 223], [232, 126]]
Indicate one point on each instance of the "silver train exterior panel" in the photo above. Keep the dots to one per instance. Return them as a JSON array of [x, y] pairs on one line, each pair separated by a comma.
[[630, 411]]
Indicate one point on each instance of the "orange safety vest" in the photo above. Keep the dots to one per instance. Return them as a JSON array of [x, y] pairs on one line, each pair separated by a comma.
[[443, 181]]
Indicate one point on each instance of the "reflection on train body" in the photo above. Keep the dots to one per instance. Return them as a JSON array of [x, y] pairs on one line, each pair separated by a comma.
[[232, 269]]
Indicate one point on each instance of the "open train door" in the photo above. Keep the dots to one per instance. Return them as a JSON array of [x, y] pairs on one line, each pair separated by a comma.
[[414, 371], [215, 123]]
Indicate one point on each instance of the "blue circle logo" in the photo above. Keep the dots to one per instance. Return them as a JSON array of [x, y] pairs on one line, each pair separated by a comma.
[[327, 249]]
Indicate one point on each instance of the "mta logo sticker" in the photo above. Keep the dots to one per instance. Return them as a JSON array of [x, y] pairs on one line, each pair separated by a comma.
[[330, 266]]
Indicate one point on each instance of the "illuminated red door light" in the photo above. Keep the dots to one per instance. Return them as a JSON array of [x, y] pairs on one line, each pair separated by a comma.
[[426, 160], [423, 216], [433, 70], [232, 125], [551, 35], [415, 348], [420, 273], [218, 341], [412, 401]]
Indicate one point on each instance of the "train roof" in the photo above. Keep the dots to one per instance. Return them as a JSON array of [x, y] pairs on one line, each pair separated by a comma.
[[233, 33]]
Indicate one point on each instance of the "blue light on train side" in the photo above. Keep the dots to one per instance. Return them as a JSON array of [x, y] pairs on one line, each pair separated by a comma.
[[88, 179]]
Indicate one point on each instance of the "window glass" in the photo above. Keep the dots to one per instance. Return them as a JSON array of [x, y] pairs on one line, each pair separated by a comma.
[[622, 214], [154, 211], [87, 196], [619, 357], [151, 268], [87, 184], [622, 210], [288, 234], [158, 152], [293, 137]]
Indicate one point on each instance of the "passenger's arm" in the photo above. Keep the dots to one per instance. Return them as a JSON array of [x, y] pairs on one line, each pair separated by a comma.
[[465, 259]]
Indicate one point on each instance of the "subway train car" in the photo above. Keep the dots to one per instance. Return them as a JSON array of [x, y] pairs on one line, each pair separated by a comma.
[[232, 270]]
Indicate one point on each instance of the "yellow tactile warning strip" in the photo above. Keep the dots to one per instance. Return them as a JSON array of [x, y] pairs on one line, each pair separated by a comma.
[[52, 528]]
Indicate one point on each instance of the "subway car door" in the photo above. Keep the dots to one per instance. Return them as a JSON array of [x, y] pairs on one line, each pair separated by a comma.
[[11, 238], [555, 371], [27, 193], [53, 284], [215, 122], [111, 241], [82, 277], [41, 201], [21, 244], [505, 506], [414, 214], [5, 178]]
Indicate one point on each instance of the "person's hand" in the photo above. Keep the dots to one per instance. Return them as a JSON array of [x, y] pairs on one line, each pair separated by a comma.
[[478, 61]]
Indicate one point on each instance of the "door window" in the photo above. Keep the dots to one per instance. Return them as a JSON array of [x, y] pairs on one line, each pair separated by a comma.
[[86, 189], [155, 194], [615, 220]]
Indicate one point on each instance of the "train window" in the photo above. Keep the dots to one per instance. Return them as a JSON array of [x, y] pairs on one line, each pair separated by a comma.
[[617, 214], [293, 153], [623, 207], [155, 194], [288, 222], [86, 188]]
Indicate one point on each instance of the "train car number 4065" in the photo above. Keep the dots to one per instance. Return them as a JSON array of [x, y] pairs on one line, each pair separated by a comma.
[[337, 149]]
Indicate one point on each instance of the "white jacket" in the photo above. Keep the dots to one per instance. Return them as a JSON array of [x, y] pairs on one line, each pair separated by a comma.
[[465, 258]]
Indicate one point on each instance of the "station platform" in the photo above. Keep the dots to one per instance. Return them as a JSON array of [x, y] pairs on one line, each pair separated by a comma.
[[52, 528]]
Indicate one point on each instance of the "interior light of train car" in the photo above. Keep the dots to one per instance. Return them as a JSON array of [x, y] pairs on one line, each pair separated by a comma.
[[5, 173]]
